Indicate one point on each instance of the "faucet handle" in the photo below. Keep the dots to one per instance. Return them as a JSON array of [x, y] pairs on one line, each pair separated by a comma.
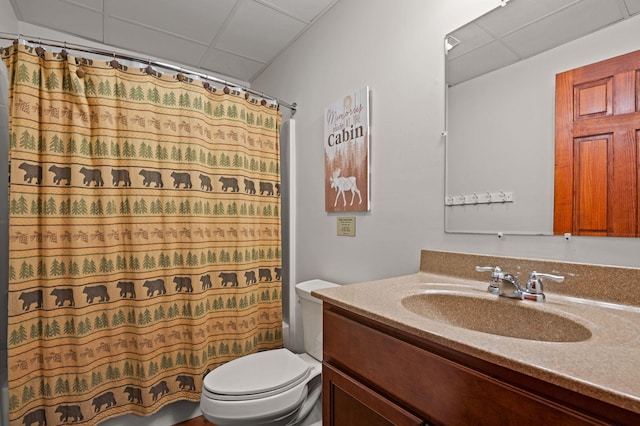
[[496, 276], [496, 272], [534, 284]]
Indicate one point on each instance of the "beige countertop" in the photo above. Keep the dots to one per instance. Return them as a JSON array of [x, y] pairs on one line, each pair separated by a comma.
[[605, 366]]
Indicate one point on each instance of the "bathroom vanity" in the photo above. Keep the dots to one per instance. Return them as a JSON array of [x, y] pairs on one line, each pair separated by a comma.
[[393, 357]]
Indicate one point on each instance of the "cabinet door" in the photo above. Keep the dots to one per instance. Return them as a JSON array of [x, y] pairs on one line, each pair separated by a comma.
[[347, 402]]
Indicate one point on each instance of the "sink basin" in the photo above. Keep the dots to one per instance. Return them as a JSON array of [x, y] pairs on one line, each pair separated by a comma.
[[499, 316]]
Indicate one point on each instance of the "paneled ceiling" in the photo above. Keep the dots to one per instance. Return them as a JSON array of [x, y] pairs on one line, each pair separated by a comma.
[[233, 38], [524, 28]]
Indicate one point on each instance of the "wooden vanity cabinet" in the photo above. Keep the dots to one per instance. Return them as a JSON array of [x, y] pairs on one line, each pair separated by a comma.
[[374, 374]]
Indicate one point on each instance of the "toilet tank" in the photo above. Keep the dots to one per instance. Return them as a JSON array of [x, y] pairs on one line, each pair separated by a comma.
[[311, 310]]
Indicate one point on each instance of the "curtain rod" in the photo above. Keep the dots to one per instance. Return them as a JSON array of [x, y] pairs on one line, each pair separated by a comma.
[[114, 54]]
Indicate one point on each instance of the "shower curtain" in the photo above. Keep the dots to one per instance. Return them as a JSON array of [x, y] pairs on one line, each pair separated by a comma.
[[144, 236]]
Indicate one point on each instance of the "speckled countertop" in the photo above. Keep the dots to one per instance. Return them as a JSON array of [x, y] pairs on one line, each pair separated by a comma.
[[605, 366]]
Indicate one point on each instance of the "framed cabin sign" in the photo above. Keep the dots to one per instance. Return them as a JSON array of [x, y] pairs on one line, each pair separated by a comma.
[[346, 153]]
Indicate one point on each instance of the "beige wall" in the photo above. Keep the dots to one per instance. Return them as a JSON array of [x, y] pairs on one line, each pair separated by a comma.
[[398, 52]]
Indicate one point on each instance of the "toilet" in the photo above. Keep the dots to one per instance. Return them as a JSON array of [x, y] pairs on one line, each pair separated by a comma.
[[275, 387]]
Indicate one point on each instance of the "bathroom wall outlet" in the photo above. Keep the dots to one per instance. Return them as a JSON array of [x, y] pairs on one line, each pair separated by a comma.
[[346, 226]]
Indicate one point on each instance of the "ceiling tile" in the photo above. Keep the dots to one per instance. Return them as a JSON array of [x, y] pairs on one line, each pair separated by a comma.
[[569, 24], [471, 37], [96, 5], [258, 32], [306, 10], [153, 43], [84, 20], [479, 61], [517, 14], [221, 62], [248, 34], [198, 20]]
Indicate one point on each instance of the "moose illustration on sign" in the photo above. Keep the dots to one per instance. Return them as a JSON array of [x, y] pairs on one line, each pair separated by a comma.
[[344, 184]]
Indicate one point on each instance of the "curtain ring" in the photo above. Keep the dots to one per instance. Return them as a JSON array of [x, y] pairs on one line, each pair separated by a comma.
[[207, 85], [63, 52], [40, 50], [149, 70], [114, 62]]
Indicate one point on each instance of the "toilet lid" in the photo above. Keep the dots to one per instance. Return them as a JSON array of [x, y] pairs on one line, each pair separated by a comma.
[[259, 373]]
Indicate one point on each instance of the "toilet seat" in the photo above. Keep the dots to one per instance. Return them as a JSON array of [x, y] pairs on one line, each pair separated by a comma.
[[268, 386], [255, 376]]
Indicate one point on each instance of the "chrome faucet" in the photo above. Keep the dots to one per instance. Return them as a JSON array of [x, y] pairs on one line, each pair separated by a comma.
[[509, 287], [506, 285]]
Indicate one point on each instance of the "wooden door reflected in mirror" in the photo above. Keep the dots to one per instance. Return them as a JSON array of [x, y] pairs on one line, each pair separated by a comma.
[[596, 157]]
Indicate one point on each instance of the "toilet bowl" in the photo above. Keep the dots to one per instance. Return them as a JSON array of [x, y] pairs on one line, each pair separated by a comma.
[[275, 387]]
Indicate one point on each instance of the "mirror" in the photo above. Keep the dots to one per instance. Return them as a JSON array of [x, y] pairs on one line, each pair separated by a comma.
[[500, 74]]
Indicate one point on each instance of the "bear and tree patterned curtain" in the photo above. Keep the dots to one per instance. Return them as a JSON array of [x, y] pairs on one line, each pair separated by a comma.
[[144, 236]]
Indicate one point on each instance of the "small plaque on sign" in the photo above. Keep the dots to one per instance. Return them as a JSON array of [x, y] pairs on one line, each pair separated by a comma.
[[347, 226]]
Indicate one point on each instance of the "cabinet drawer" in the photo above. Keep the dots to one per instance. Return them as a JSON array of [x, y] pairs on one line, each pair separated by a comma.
[[346, 402], [439, 390]]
